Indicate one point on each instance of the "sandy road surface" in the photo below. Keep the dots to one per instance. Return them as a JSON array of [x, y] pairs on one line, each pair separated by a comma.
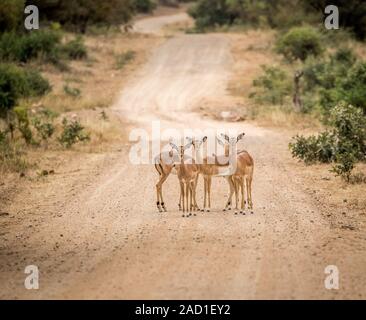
[[108, 241]]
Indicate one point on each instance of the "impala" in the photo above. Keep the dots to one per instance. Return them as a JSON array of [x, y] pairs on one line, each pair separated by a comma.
[[164, 164], [210, 167], [242, 171], [187, 175]]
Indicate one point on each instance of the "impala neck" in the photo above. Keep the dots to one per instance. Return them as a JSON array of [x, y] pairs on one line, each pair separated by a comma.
[[231, 153], [198, 155], [227, 150]]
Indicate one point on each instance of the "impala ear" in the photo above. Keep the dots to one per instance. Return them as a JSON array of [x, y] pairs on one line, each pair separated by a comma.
[[190, 140], [240, 136], [225, 136], [220, 141], [187, 146], [174, 146]]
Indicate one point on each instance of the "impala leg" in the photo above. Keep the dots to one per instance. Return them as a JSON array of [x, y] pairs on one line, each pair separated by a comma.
[[195, 193], [182, 196], [191, 204], [160, 190], [193, 200], [159, 187], [205, 192], [180, 201], [231, 185], [158, 198], [197, 208], [209, 182], [236, 185], [186, 197], [249, 192], [242, 196]]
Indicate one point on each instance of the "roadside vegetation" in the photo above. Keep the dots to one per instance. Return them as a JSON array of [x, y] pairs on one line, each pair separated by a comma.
[[316, 73], [56, 82]]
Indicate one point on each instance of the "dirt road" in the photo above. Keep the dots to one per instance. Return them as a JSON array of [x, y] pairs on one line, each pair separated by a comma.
[[100, 236]]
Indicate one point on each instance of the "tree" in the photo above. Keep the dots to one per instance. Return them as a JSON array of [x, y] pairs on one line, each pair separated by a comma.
[[11, 14], [79, 14], [145, 6], [275, 13], [300, 43], [297, 96], [352, 13]]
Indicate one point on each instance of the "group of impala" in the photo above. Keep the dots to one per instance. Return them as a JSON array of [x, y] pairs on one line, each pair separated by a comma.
[[235, 165]]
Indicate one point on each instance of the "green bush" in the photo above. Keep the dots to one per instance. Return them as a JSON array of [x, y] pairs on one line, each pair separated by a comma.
[[314, 148], [144, 6], [326, 72], [11, 14], [300, 43], [342, 83], [16, 83], [35, 84], [124, 58], [208, 13], [285, 14], [23, 124], [43, 123], [335, 79], [344, 144], [354, 86], [45, 129], [172, 3], [345, 161], [11, 87], [273, 86], [349, 125], [78, 15], [24, 47], [72, 133], [274, 13], [345, 56], [75, 49], [73, 92]]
